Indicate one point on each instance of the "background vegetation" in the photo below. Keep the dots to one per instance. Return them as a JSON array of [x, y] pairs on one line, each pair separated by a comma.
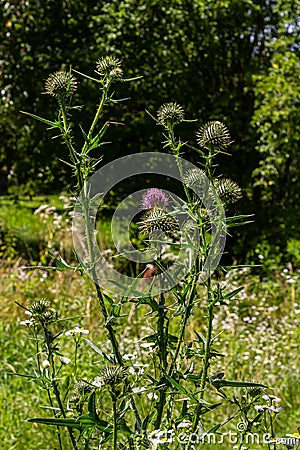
[[230, 60]]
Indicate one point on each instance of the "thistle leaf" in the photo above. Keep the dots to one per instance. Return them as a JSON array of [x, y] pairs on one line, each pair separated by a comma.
[[41, 119]]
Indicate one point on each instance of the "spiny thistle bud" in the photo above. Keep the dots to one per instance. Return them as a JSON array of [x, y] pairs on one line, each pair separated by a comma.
[[228, 190], [196, 178], [170, 114], [49, 316], [109, 67], [82, 388], [157, 219], [154, 197], [111, 376], [79, 395], [254, 391], [214, 136], [39, 306], [61, 85], [41, 312]]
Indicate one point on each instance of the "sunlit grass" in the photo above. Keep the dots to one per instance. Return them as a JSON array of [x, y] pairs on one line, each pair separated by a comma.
[[259, 338]]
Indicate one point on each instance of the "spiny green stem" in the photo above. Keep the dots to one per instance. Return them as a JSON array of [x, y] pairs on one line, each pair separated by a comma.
[[187, 314], [207, 355], [115, 422], [162, 333], [162, 345], [108, 325], [160, 407], [97, 116], [175, 146], [48, 342]]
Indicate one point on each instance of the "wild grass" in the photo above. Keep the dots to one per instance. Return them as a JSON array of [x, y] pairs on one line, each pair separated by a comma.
[[259, 339]]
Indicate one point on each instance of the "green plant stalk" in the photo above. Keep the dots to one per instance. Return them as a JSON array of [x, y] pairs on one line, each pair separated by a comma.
[[115, 421], [47, 389], [54, 382], [207, 351], [89, 234], [162, 333], [162, 344], [97, 115], [175, 146], [187, 314]]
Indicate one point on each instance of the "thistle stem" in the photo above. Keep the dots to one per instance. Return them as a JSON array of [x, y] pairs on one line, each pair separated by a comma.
[[207, 356]]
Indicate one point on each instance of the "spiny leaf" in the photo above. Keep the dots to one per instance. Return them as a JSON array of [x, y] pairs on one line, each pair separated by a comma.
[[41, 119], [219, 383], [100, 352], [232, 293]]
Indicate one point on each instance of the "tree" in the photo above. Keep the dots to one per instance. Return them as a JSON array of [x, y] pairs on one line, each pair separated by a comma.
[[217, 59], [277, 119]]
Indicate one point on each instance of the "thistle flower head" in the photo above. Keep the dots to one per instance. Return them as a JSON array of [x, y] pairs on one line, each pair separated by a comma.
[[61, 85], [109, 67], [111, 376], [41, 312], [254, 391], [197, 179], [228, 190], [154, 197], [157, 219], [170, 114], [82, 388], [39, 306], [214, 136]]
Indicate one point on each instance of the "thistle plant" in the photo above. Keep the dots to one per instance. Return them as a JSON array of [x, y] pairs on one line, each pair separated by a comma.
[[130, 404]]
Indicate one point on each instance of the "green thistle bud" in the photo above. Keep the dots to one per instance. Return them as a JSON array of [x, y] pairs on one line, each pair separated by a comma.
[[157, 219], [61, 85], [197, 180], [170, 114], [254, 391], [82, 388], [49, 316], [111, 376], [38, 307], [109, 67], [214, 136], [228, 190]]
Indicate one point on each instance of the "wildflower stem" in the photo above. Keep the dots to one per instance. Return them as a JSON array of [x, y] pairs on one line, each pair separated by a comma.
[[162, 345], [97, 116], [115, 423], [207, 353], [48, 342], [162, 333], [187, 314], [175, 146]]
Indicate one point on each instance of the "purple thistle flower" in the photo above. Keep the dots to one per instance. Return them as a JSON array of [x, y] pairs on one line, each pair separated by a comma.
[[154, 197]]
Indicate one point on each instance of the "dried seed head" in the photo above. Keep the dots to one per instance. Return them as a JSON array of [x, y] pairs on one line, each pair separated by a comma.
[[61, 85], [170, 114], [109, 67], [111, 376], [157, 219], [228, 190], [214, 136]]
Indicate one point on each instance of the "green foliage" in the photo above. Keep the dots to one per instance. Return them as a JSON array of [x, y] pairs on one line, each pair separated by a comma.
[[211, 56], [276, 118], [107, 408]]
